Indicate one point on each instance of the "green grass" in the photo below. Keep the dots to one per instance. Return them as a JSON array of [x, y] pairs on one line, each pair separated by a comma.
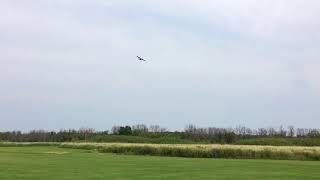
[[139, 139], [38, 163], [280, 141]]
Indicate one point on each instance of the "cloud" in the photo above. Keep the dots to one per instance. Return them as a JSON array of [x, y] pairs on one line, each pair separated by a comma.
[[222, 62], [262, 19]]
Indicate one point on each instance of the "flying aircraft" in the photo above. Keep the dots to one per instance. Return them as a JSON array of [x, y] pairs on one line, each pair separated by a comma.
[[140, 58]]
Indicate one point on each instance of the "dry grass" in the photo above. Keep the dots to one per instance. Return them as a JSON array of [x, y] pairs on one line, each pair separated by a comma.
[[205, 150], [56, 152]]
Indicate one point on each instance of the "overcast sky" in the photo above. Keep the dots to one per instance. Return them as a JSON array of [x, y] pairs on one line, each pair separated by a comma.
[[72, 63]]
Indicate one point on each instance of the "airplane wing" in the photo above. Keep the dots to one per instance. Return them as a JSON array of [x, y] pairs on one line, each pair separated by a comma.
[[140, 58]]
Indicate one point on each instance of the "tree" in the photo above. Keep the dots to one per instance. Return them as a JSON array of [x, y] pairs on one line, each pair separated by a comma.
[[86, 133], [272, 132], [300, 132], [262, 132], [154, 128], [115, 129], [139, 129], [314, 133], [190, 129], [291, 131], [282, 131], [125, 130]]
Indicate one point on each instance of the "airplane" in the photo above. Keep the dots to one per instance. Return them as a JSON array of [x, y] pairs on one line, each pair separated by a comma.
[[140, 59]]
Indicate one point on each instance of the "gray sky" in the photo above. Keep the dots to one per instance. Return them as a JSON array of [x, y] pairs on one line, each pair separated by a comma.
[[72, 63]]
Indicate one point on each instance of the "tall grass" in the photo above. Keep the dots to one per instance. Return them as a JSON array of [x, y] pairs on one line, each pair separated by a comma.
[[204, 151]]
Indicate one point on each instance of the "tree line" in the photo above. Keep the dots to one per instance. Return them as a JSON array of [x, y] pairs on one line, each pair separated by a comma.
[[191, 133]]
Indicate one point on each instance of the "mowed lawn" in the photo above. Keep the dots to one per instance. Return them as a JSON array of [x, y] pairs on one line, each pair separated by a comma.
[[59, 163]]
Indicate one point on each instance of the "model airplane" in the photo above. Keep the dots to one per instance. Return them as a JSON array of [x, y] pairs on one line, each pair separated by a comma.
[[140, 58]]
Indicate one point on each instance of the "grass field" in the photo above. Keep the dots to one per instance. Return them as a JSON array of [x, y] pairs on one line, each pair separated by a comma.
[[60, 163]]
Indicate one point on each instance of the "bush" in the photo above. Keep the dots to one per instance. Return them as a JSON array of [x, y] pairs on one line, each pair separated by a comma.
[[280, 141], [138, 139]]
